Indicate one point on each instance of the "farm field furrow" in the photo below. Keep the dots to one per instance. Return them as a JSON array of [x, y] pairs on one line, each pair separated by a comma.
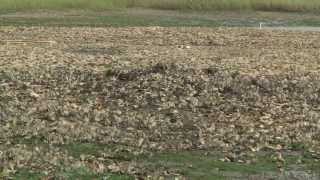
[[130, 93]]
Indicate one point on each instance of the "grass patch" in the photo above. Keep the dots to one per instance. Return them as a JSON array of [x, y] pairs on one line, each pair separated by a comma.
[[280, 5], [84, 173], [270, 5], [116, 152], [306, 22], [81, 173], [61, 4], [23, 174], [144, 17], [196, 165], [192, 164], [77, 149], [108, 21], [298, 146]]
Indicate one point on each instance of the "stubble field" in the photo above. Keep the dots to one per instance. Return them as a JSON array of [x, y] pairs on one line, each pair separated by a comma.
[[192, 103]]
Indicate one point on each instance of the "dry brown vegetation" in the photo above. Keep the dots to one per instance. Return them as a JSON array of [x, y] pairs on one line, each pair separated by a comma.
[[270, 5], [238, 91]]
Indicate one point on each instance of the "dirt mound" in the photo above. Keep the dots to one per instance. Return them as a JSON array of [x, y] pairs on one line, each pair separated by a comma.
[[168, 106]]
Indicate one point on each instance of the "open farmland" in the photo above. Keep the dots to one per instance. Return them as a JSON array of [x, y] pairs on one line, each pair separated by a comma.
[[193, 103]]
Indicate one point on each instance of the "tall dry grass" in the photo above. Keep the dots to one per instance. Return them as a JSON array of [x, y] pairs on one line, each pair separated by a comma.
[[276, 5], [282, 5]]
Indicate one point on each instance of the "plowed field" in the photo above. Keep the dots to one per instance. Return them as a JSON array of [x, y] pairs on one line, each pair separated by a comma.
[[132, 92]]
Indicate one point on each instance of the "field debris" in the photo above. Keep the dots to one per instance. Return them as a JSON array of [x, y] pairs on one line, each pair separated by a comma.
[[25, 42], [236, 91]]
